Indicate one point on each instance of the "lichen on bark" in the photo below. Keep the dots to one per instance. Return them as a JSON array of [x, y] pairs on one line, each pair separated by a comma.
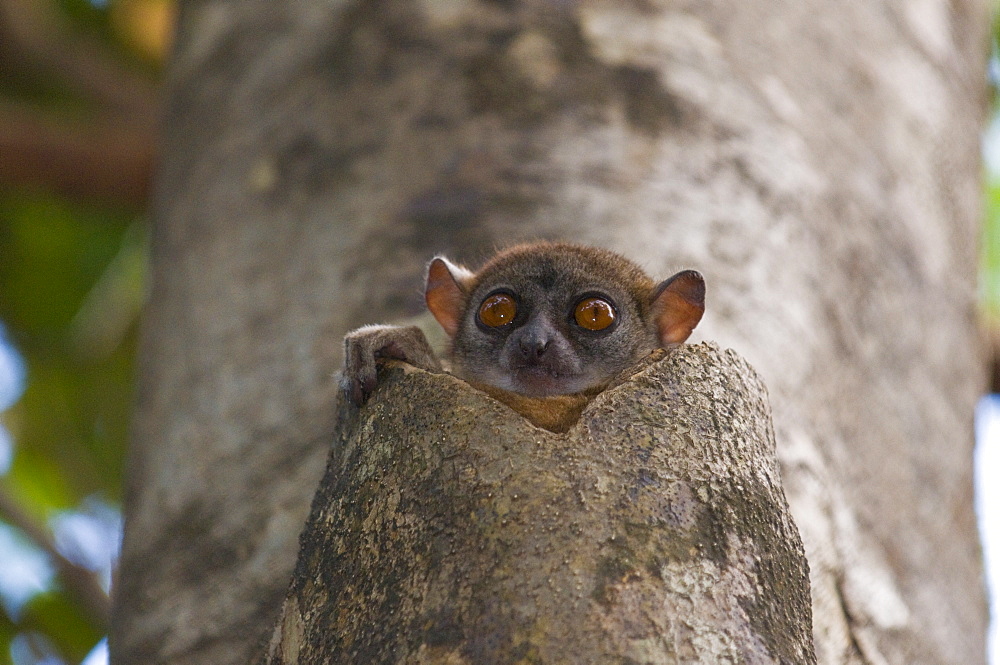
[[450, 530]]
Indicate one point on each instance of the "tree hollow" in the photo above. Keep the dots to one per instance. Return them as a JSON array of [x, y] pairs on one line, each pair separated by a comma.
[[448, 529]]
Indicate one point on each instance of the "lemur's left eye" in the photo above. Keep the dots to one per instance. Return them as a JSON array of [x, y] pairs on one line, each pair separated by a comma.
[[594, 313]]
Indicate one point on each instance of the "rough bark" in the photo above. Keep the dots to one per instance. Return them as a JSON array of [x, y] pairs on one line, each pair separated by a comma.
[[817, 161], [448, 529]]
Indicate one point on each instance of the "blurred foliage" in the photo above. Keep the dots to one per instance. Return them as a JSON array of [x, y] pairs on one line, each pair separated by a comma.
[[72, 274], [990, 255], [63, 621], [71, 280], [136, 29], [989, 278]]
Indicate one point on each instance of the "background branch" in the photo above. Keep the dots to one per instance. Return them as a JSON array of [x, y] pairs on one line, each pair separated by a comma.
[[34, 36], [98, 160], [79, 581]]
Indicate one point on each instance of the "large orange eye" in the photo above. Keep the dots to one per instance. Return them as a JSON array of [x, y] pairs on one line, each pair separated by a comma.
[[594, 313], [497, 310]]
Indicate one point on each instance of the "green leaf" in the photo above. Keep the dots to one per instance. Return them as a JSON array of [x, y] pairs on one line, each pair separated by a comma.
[[990, 255], [70, 630]]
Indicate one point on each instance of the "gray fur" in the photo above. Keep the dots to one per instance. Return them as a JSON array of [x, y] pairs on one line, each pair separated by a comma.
[[548, 288]]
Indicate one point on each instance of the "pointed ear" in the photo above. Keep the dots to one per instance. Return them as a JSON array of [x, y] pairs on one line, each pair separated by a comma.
[[677, 306], [445, 292]]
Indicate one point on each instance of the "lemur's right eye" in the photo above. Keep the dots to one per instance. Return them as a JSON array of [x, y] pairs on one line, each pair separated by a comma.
[[497, 310]]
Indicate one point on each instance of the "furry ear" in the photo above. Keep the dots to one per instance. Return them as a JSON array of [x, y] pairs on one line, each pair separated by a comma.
[[677, 306], [445, 292]]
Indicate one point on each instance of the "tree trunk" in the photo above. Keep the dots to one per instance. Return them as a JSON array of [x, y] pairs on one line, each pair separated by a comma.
[[449, 530], [818, 162]]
